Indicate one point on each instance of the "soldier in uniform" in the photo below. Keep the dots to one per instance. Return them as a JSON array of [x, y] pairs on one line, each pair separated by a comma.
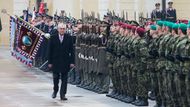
[[181, 53], [188, 74], [78, 30], [111, 58], [122, 67], [102, 64], [124, 64], [131, 73], [141, 52], [81, 55], [154, 74], [162, 64], [170, 13], [86, 60], [116, 64], [157, 14], [131, 94], [152, 34], [172, 67]]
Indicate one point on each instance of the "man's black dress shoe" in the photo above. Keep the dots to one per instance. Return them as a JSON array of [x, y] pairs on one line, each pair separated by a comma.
[[63, 98], [54, 95]]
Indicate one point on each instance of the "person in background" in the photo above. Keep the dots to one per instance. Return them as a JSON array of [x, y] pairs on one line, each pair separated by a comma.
[[30, 18], [157, 14], [171, 13], [25, 15]]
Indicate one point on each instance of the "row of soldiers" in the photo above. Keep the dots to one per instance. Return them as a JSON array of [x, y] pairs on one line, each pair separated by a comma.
[[91, 56], [136, 59], [154, 58], [126, 56]]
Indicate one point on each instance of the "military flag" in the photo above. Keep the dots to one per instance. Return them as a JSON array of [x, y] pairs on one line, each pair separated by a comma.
[[27, 40]]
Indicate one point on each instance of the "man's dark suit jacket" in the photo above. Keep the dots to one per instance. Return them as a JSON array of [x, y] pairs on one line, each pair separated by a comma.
[[61, 55]]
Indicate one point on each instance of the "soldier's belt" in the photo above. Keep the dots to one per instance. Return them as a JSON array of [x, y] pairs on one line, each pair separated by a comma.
[[157, 19], [77, 47], [102, 47], [170, 17]]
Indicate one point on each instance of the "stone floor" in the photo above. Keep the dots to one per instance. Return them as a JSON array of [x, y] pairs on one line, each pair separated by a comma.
[[24, 87]]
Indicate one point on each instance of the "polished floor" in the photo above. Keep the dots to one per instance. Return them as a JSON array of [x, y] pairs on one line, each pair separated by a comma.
[[24, 87]]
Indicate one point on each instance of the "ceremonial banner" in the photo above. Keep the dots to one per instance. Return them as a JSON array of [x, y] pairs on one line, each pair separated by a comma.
[[25, 40]]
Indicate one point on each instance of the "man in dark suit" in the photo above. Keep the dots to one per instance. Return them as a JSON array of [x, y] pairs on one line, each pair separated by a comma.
[[61, 59]]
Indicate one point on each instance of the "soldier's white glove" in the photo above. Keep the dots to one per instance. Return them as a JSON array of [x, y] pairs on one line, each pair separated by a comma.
[[47, 35], [100, 36]]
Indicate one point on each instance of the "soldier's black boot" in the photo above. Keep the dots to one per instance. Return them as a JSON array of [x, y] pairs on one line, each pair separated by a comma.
[[136, 101], [158, 105], [164, 104], [115, 94], [120, 96], [81, 84], [124, 97], [130, 99], [88, 86], [111, 93], [142, 102], [152, 96], [93, 85]]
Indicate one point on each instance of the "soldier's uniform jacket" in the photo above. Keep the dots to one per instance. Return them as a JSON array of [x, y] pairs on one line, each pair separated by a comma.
[[162, 45], [142, 53], [157, 15], [102, 54], [110, 44], [115, 44], [168, 51], [171, 15], [186, 54], [182, 51], [126, 46]]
